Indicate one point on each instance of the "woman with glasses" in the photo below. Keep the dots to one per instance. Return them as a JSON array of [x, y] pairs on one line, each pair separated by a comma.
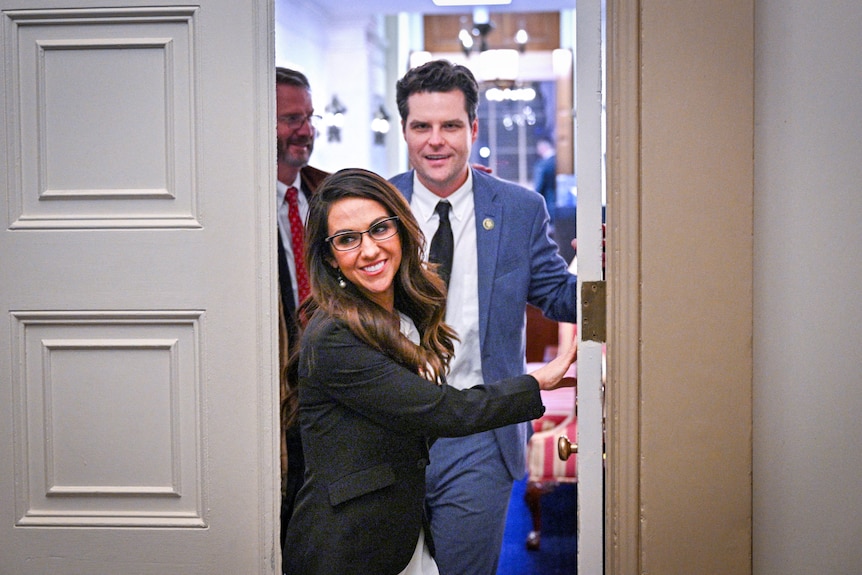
[[373, 357]]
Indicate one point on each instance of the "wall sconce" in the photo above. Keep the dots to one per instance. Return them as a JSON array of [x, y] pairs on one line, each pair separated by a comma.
[[334, 119], [521, 39], [380, 125], [466, 40]]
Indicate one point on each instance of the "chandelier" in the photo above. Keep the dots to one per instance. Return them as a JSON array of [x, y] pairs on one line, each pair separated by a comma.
[[499, 67]]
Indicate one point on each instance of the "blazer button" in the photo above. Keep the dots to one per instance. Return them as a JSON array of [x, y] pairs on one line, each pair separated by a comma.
[[422, 463]]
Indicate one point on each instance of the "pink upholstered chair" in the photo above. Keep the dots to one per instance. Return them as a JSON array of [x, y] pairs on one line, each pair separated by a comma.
[[545, 468]]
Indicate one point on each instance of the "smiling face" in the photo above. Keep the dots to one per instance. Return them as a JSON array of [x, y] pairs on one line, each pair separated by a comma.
[[294, 144], [372, 266], [439, 138]]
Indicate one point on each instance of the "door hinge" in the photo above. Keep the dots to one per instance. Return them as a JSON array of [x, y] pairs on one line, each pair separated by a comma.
[[594, 311]]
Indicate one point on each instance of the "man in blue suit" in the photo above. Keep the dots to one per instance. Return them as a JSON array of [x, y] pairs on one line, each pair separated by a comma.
[[504, 259]]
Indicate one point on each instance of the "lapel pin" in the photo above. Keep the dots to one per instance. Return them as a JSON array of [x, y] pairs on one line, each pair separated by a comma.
[[488, 224]]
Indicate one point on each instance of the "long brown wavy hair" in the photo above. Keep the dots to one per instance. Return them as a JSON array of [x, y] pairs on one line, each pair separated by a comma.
[[419, 292]]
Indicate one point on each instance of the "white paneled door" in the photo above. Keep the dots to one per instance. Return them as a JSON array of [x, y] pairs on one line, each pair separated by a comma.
[[137, 405]]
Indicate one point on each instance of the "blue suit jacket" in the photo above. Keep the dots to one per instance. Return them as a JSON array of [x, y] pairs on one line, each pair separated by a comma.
[[519, 263]]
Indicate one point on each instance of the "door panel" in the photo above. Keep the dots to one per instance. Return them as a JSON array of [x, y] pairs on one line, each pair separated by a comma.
[[137, 393]]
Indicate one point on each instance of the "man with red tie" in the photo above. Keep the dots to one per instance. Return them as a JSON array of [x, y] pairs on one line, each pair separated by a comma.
[[295, 131]]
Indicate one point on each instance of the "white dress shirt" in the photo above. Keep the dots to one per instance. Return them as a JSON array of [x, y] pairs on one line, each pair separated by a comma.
[[284, 226], [462, 303]]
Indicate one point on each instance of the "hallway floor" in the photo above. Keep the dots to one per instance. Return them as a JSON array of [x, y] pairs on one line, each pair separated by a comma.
[[558, 553]]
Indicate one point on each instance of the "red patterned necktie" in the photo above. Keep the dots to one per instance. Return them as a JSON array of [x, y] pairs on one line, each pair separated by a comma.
[[296, 241]]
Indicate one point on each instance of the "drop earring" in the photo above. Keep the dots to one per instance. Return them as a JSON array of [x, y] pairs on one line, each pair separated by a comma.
[[342, 283]]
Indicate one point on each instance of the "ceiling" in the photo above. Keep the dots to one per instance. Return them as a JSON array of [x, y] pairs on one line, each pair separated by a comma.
[[340, 9]]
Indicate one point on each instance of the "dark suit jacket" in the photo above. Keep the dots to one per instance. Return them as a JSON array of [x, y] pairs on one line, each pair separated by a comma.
[[518, 263], [365, 423], [545, 181], [292, 480]]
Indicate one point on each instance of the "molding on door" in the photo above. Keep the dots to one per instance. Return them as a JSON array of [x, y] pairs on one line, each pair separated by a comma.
[[269, 494], [622, 526]]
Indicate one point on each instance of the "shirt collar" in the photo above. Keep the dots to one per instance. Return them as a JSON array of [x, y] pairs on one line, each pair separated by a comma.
[[424, 200], [281, 187]]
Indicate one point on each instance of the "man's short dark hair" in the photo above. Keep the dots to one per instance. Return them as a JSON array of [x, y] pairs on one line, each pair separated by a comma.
[[288, 77], [438, 76]]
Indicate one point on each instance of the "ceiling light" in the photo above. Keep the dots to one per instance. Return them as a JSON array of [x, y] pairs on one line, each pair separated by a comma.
[[471, 2], [499, 67]]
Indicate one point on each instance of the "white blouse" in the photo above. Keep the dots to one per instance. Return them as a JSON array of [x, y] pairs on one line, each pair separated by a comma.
[[421, 563]]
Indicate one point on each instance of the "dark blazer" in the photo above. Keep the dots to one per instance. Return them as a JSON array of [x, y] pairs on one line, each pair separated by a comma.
[[518, 263], [294, 465], [366, 422], [545, 181]]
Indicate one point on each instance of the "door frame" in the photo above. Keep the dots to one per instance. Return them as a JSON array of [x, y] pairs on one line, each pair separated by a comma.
[[622, 479], [680, 377]]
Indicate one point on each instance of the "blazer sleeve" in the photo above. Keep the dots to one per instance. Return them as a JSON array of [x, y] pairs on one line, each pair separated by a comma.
[[519, 255], [553, 288], [337, 366]]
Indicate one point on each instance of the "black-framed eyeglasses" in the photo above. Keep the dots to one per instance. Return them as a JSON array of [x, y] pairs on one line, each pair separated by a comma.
[[295, 121], [382, 230]]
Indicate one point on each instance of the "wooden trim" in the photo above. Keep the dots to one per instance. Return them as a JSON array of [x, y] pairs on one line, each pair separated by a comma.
[[543, 28], [267, 298], [622, 517]]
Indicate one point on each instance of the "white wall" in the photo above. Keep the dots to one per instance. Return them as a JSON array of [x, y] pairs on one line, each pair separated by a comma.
[[807, 506]]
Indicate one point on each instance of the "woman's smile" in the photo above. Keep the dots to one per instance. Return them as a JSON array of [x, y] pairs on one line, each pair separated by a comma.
[[374, 268], [371, 265]]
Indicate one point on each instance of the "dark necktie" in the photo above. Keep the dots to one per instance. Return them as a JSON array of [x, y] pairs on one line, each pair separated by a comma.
[[296, 241], [443, 244]]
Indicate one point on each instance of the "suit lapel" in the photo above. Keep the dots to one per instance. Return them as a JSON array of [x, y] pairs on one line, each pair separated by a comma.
[[489, 220], [405, 185], [489, 217], [311, 178]]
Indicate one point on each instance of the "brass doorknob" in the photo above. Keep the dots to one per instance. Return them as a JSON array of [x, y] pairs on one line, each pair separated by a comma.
[[565, 448]]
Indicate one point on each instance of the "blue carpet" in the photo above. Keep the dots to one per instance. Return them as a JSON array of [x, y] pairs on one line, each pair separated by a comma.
[[559, 551]]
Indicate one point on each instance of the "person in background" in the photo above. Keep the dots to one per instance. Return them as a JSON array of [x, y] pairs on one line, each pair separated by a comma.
[[545, 174], [296, 181], [373, 362], [505, 259]]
